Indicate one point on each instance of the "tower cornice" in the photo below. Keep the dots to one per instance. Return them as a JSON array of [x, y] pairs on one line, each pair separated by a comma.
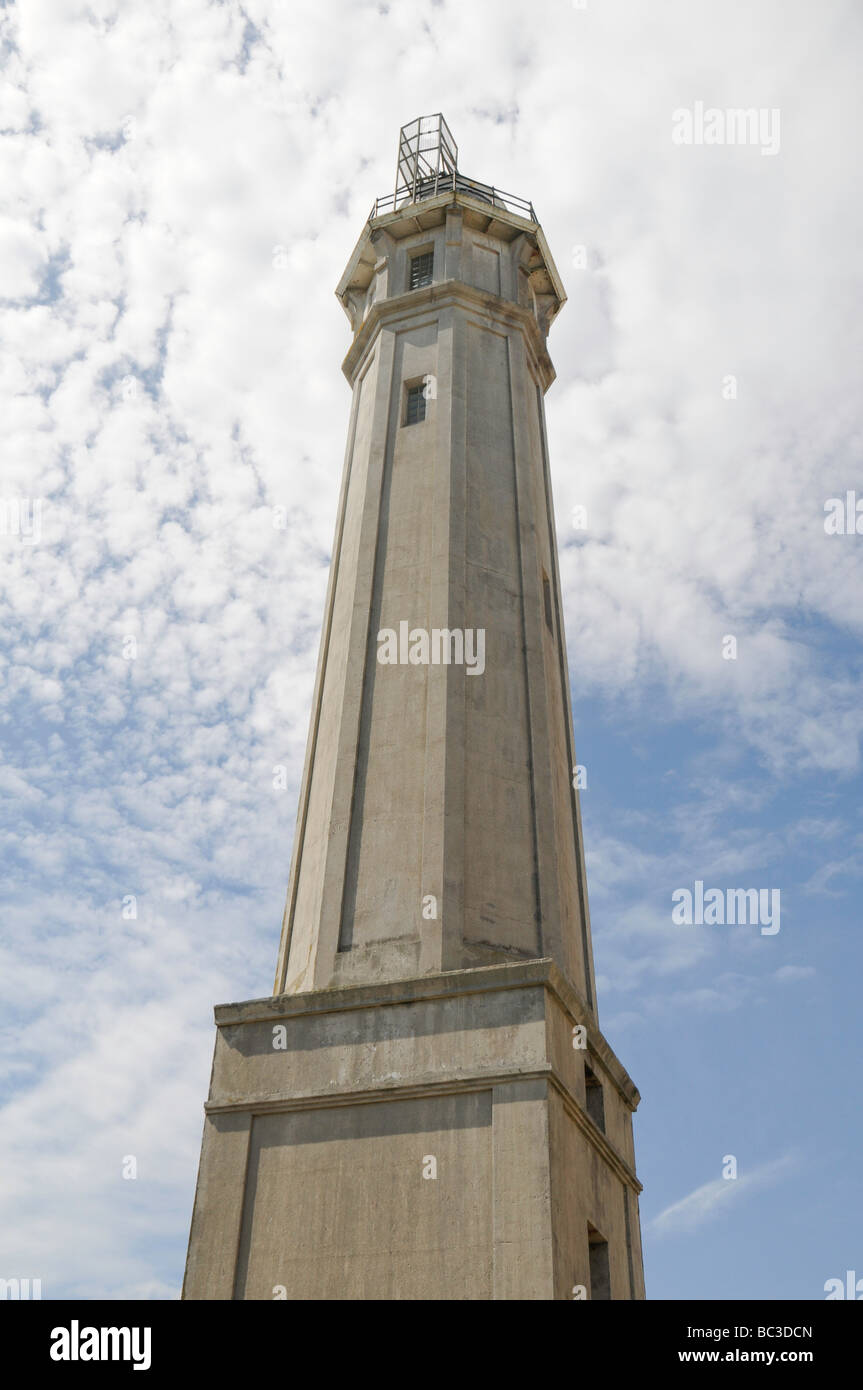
[[451, 984], [443, 294], [427, 216], [498, 221]]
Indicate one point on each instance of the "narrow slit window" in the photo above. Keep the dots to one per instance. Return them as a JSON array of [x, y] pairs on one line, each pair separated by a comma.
[[416, 405], [546, 600], [594, 1097], [600, 1278], [421, 269]]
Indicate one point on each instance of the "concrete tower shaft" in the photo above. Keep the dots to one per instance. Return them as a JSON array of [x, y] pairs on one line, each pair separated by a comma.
[[425, 1108], [442, 788]]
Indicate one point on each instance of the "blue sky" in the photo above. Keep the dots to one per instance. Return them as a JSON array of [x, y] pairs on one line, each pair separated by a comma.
[[182, 187], [755, 1048]]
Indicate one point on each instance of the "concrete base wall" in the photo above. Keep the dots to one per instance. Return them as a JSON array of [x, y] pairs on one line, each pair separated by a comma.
[[369, 1143]]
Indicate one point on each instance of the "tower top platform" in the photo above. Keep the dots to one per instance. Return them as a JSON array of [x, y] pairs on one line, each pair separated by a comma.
[[434, 205], [427, 167]]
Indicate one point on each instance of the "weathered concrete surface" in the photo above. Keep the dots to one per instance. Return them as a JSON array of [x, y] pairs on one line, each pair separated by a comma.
[[422, 781], [325, 1108], [400, 1038]]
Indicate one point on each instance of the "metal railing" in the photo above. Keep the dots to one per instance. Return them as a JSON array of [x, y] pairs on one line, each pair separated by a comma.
[[457, 183]]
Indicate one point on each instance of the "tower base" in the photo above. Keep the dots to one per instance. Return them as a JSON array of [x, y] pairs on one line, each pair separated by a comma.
[[370, 1143]]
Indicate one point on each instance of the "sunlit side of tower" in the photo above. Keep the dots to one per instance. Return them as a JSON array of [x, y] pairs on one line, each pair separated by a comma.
[[425, 1108]]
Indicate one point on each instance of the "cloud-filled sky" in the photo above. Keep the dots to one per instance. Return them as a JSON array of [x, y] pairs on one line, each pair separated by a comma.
[[182, 185]]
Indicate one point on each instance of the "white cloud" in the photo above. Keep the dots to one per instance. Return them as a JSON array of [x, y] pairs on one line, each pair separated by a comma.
[[790, 974], [715, 1197], [175, 386]]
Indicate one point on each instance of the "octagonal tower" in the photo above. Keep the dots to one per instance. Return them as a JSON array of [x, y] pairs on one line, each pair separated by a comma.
[[425, 1107]]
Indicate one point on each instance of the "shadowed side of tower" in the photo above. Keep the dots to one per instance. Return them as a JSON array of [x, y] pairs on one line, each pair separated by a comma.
[[426, 1108]]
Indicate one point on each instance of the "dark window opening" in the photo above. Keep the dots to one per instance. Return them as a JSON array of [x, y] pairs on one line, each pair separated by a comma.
[[421, 269], [600, 1279], [595, 1101], [416, 406], [546, 599]]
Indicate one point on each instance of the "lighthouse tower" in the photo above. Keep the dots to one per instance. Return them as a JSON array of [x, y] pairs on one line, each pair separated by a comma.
[[425, 1107]]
